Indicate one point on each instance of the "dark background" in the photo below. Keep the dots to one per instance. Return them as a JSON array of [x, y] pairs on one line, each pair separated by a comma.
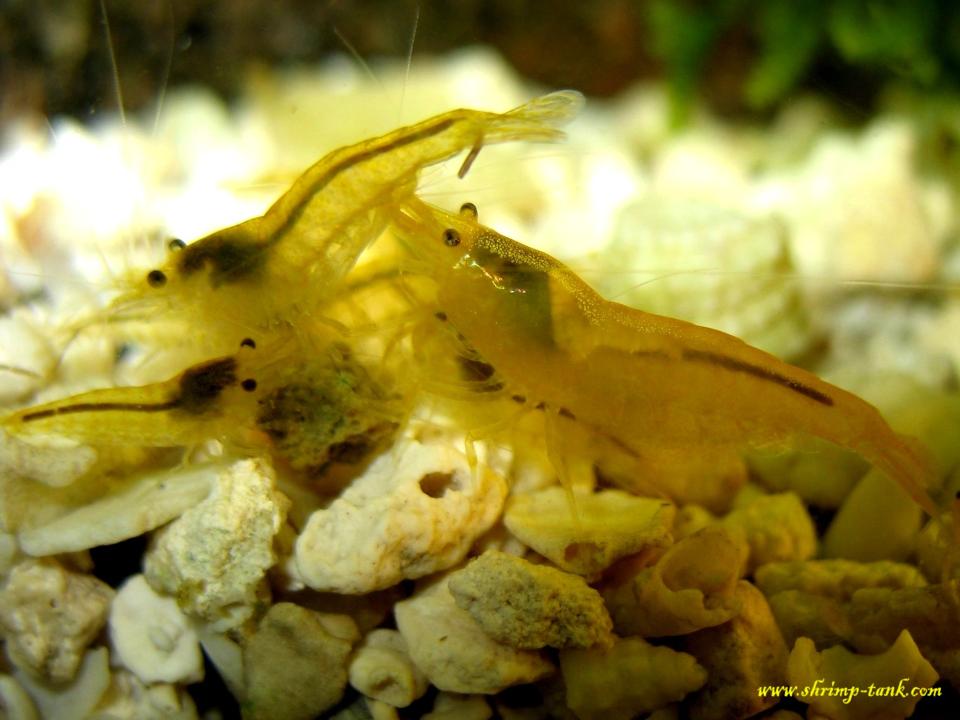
[[743, 56]]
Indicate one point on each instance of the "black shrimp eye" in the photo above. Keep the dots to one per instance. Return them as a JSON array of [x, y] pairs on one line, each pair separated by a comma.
[[248, 342], [469, 210], [451, 237], [156, 278], [249, 384], [176, 244]]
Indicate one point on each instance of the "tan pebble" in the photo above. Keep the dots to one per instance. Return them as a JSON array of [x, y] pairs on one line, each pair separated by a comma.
[[381, 669], [901, 665], [627, 679], [524, 605], [692, 586], [778, 527], [740, 656], [451, 706], [294, 668], [608, 525], [448, 645], [49, 615]]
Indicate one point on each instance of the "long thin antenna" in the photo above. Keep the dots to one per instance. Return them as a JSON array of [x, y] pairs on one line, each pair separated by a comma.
[[118, 88], [18, 370], [168, 65], [360, 61], [406, 72]]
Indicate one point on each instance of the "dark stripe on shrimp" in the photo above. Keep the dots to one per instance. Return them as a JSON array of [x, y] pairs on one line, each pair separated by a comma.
[[99, 407], [233, 257], [355, 159], [200, 386], [729, 363]]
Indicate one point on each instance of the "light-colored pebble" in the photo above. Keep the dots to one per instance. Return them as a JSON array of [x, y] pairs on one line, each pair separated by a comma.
[[608, 525], [416, 510], [152, 637], [381, 669], [215, 556], [128, 698], [134, 509], [76, 699], [49, 615], [53, 461], [875, 502], [15, 703], [695, 256]]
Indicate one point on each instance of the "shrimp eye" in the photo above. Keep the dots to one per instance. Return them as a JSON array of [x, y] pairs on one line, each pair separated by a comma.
[[451, 237], [469, 210], [156, 278], [248, 342], [176, 244], [249, 385]]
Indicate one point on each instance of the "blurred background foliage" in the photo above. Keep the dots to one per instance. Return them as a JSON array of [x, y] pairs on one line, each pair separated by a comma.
[[743, 57]]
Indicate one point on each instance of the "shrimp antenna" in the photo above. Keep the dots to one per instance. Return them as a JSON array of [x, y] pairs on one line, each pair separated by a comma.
[[364, 65], [117, 86], [660, 275], [167, 67], [406, 70], [18, 370]]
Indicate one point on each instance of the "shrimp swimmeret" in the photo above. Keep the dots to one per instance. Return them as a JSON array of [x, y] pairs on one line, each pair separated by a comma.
[[291, 259], [647, 386]]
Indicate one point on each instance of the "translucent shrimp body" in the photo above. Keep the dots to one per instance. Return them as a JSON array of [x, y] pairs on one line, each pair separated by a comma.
[[202, 402], [291, 259], [307, 408], [648, 386]]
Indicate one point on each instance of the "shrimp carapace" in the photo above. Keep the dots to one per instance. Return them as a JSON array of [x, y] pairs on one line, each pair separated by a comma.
[[651, 386], [292, 258]]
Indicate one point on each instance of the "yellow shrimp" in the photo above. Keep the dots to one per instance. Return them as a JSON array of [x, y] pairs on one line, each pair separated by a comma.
[[267, 397], [647, 385], [290, 260], [203, 401]]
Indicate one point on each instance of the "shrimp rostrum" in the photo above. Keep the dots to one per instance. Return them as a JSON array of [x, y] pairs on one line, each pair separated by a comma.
[[641, 386], [290, 260]]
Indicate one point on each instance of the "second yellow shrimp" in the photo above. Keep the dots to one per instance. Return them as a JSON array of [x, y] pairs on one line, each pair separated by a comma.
[[648, 387], [204, 401], [290, 260], [267, 397]]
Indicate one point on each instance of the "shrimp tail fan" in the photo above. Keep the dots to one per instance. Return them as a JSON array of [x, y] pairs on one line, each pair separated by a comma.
[[537, 120], [911, 464]]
